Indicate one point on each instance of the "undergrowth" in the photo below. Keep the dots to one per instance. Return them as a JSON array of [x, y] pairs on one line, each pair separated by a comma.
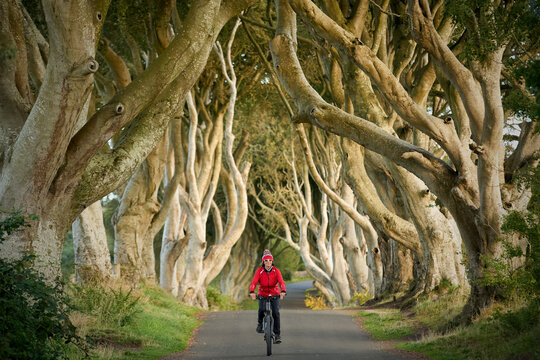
[[315, 302], [34, 320], [505, 330], [219, 301], [109, 306], [497, 335], [146, 323]]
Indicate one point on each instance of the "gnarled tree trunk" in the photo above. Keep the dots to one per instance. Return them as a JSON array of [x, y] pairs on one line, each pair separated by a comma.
[[245, 257], [92, 257]]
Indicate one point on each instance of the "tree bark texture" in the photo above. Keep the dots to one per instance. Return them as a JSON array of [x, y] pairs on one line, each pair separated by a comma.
[[92, 256]]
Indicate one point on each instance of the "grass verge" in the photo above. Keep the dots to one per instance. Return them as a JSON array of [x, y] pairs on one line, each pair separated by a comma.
[[157, 325], [387, 324], [503, 331]]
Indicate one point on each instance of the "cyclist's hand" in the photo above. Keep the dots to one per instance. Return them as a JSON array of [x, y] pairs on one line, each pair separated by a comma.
[[252, 296], [281, 296]]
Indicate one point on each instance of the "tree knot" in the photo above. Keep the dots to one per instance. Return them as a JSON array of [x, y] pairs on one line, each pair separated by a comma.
[[357, 41], [477, 149], [119, 109], [85, 68]]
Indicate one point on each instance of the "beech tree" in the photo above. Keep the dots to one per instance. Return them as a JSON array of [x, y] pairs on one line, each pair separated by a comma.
[[466, 174], [174, 238], [50, 168], [203, 171], [245, 256], [437, 251], [294, 211]]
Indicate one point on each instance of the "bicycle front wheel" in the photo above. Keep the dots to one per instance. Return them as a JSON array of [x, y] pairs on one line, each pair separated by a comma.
[[268, 335]]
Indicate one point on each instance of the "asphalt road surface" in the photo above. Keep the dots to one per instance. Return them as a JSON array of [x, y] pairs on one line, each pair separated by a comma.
[[306, 334]]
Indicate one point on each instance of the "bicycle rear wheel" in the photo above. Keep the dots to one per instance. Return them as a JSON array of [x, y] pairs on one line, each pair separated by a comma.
[[268, 334]]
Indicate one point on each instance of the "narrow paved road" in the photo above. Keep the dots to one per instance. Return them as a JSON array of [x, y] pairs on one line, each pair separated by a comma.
[[306, 334]]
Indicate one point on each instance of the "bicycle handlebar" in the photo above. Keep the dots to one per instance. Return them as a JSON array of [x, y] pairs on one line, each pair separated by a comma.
[[260, 297]]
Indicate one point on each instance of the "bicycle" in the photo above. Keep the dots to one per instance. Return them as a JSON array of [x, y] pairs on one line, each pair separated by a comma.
[[268, 322]]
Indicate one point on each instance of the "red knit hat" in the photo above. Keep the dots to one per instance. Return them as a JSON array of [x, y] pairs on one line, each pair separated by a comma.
[[267, 255]]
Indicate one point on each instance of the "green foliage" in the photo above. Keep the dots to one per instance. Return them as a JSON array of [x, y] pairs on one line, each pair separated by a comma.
[[505, 275], [68, 256], [509, 329], [114, 308], [505, 334], [522, 320], [444, 286], [109, 205], [286, 259], [286, 274], [33, 314], [527, 225], [441, 306], [520, 104], [525, 104], [529, 178], [12, 223], [489, 24], [164, 325], [218, 301]]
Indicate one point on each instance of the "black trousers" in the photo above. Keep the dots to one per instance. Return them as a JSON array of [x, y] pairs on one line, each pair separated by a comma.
[[274, 303]]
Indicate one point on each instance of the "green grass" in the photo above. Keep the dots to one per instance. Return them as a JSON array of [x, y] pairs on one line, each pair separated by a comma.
[[436, 310], [386, 325], [164, 324], [504, 331], [161, 326], [482, 340]]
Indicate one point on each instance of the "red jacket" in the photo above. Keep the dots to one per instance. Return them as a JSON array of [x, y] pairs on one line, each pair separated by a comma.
[[268, 282]]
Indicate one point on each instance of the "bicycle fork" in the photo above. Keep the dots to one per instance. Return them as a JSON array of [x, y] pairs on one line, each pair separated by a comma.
[[268, 322]]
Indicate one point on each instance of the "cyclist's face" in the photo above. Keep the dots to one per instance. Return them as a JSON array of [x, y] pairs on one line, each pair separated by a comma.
[[267, 263]]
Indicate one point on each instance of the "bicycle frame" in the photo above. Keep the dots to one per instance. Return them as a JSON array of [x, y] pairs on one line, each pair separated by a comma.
[[268, 321]]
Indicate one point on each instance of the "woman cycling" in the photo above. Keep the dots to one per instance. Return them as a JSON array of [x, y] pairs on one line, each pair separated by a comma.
[[268, 277]]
